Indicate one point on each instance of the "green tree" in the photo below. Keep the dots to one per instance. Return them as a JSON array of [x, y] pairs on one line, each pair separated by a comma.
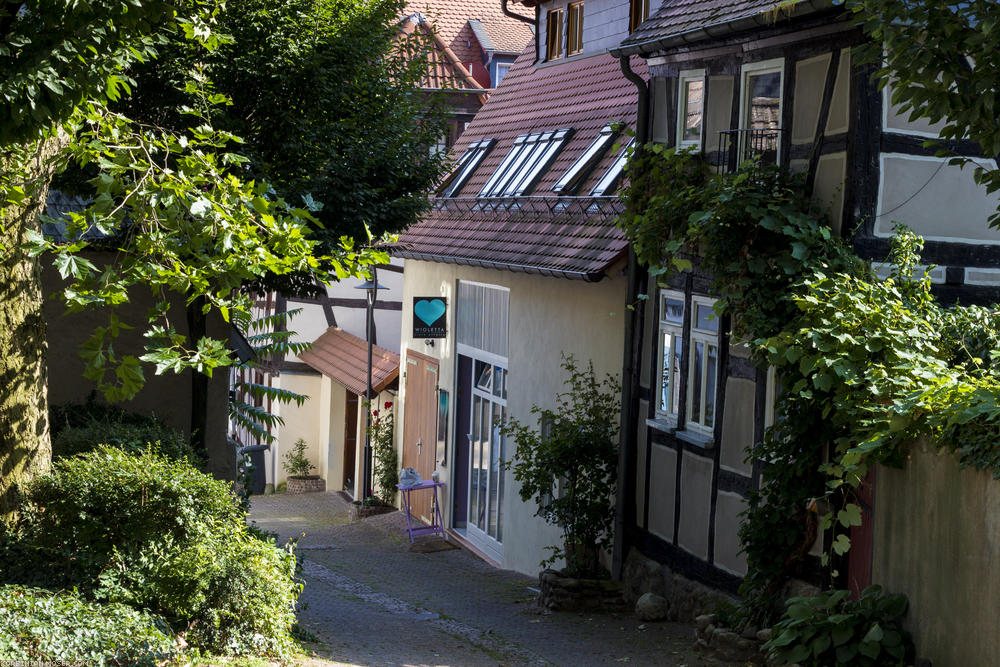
[[173, 203], [941, 60], [326, 95]]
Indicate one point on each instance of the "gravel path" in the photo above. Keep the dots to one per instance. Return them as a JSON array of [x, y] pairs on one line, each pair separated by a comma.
[[370, 600]]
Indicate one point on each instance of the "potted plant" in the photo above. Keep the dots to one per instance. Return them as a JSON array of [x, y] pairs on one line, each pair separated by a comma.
[[297, 468], [568, 466]]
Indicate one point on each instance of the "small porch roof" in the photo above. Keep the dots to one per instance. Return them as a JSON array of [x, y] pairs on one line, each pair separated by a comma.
[[343, 357]]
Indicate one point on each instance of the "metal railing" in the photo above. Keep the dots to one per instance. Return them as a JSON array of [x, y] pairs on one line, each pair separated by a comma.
[[527, 207], [738, 146]]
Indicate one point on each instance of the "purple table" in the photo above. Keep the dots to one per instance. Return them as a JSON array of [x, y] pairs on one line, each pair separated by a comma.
[[437, 525]]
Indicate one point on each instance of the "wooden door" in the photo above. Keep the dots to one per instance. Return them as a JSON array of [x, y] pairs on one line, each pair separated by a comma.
[[420, 424]]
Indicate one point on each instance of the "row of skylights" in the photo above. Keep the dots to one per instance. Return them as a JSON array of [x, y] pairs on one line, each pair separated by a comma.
[[528, 159]]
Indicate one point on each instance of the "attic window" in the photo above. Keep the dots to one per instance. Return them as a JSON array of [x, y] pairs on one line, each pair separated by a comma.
[[466, 164], [553, 34], [609, 182], [575, 175], [638, 12], [574, 33], [527, 160]]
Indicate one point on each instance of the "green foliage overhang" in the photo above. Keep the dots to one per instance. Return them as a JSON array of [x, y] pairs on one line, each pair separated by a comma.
[[866, 366]]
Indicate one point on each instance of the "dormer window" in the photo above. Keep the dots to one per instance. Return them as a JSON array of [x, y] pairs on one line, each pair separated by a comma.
[[553, 34], [576, 174], [466, 164], [574, 32], [527, 160], [638, 12], [609, 182]]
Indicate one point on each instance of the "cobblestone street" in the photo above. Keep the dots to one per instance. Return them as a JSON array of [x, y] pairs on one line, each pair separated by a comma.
[[370, 600]]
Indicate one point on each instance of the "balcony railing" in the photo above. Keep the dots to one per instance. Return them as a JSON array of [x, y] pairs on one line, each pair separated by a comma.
[[738, 146]]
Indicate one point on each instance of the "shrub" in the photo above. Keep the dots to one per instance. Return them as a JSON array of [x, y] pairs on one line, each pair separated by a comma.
[[158, 534], [569, 466], [39, 625], [295, 462], [829, 629], [81, 428], [386, 465]]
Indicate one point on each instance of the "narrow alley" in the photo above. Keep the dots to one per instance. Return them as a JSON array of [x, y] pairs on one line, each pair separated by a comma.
[[372, 600]]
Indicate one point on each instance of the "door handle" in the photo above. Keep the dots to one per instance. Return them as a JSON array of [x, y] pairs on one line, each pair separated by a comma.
[[419, 445]]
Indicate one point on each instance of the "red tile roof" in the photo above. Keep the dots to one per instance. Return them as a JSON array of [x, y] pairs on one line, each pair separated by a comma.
[[696, 18], [573, 237], [343, 357], [444, 68], [450, 18]]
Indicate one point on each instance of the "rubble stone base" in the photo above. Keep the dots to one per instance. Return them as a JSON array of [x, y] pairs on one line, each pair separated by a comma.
[[562, 593]]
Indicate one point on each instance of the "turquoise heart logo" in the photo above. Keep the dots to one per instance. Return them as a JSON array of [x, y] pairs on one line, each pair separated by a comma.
[[429, 310]]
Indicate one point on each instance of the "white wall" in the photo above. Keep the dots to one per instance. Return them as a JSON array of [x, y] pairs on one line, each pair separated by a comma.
[[548, 317]]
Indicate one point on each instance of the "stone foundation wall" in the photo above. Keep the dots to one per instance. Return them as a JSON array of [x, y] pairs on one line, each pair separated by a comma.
[[561, 593], [686, 599]]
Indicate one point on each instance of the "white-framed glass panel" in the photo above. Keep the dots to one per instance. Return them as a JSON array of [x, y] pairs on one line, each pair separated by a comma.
[[501, 72], [761, 106], [466, 164], [527, 160], [703, 366], [670, 353], [691, 108], [609, 181], [571, 179]]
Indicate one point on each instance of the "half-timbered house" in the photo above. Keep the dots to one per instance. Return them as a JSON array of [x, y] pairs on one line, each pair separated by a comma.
[[781, 81]]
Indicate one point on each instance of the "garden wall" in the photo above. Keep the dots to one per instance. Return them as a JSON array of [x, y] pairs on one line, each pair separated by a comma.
[[937, 540]]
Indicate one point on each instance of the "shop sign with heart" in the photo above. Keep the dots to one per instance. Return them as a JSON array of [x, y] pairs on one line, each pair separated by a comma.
[[430, 317]]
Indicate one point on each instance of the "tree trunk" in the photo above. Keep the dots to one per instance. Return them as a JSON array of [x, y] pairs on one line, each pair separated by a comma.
[[25, 447]]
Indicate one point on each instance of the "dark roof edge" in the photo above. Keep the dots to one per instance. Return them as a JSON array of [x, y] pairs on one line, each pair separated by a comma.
[[717, 30], [592, 277]]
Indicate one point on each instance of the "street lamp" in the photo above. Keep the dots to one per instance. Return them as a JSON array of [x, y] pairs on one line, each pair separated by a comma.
[[371, 288]]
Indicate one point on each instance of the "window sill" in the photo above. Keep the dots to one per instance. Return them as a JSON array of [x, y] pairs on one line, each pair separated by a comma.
[[696, 438], [662, 424]]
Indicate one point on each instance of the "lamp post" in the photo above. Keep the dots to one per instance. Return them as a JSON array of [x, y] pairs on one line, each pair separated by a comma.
[[371, 288]]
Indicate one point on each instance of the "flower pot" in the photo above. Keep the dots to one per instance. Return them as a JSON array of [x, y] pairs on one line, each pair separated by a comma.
[[305, 484]]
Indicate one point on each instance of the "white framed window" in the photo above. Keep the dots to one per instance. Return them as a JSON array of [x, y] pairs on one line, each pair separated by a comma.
[[527, 160], [466, 164], [569, 181], [671, 351], [761, 93], [690, 108], [501, 72], [703, 366], [610, 179]]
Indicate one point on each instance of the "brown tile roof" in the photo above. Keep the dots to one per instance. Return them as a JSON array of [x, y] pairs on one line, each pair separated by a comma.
[[450, 18], [573, 237], [444, 68], [694, 19], [343, 357], [568, 238]]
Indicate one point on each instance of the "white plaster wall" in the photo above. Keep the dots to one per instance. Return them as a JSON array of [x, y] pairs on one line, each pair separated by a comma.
[[300, 422], [662, 491], [548, 317], [938, 201]]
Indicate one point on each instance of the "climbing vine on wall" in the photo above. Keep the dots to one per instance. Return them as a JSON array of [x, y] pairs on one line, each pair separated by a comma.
[[865, 365]]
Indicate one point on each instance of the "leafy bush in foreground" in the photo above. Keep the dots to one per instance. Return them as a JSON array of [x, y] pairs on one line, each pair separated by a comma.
[[40, 625], [157, 534]]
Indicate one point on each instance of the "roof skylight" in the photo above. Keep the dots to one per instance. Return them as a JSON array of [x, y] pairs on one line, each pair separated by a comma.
[[576, 174], [610, 180], [466, 164], [527, 160]]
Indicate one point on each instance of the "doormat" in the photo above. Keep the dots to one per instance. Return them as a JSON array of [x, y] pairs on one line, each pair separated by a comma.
[[432, 546]]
